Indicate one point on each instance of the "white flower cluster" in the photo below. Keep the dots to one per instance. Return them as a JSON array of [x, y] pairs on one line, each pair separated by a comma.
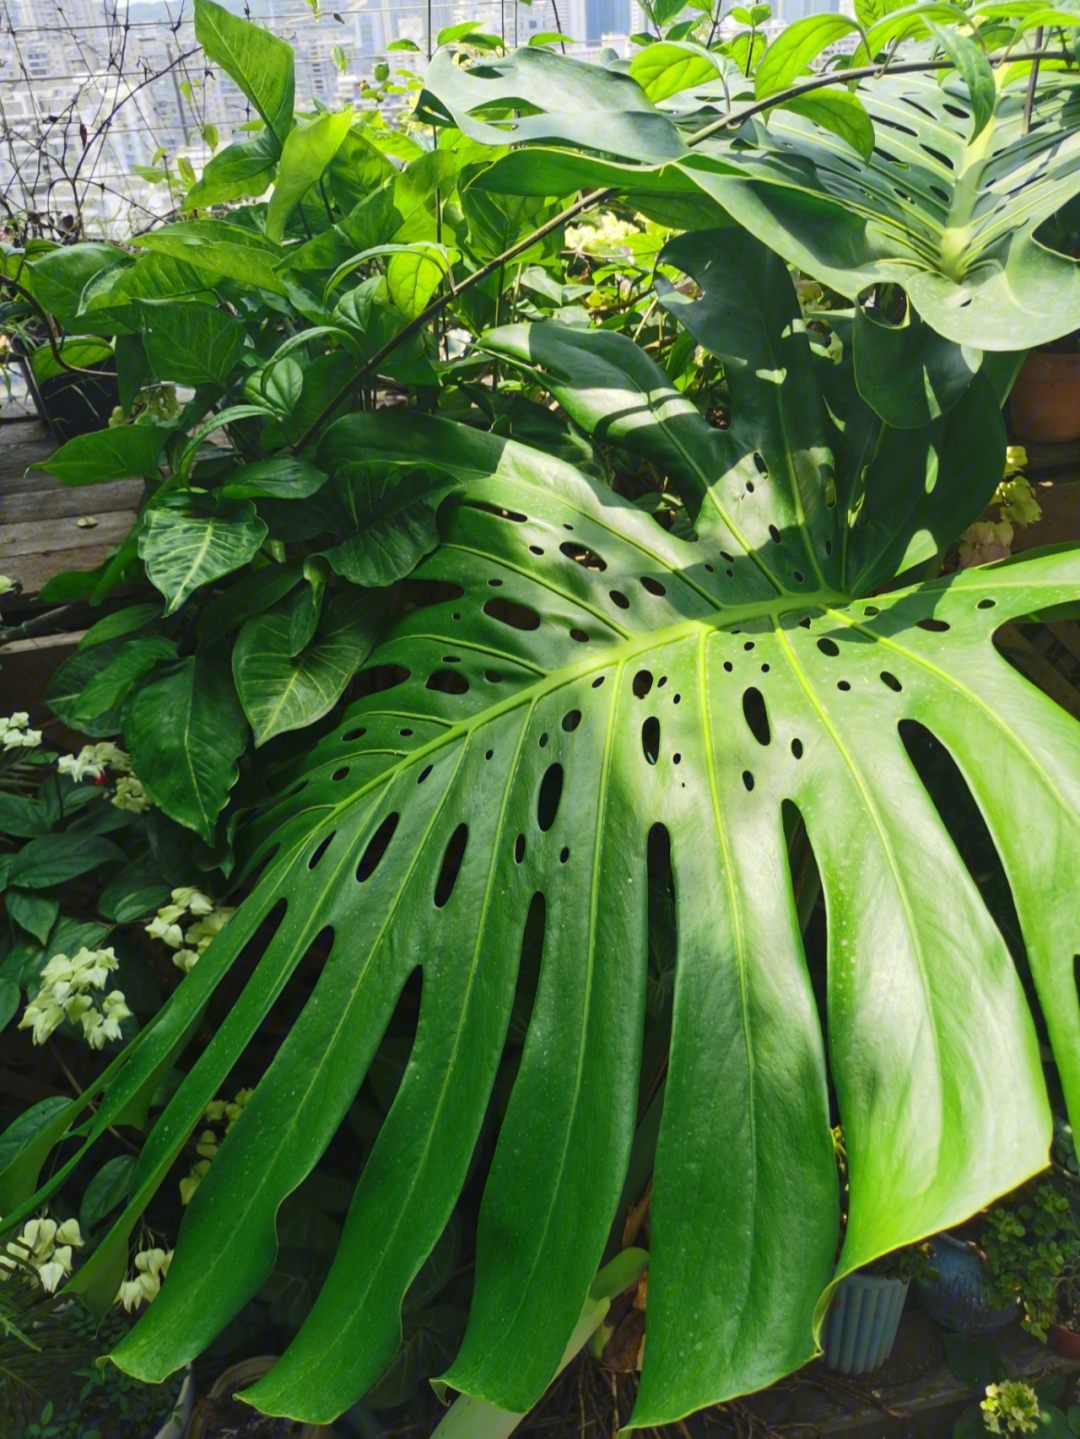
[[92, 762], [16, 733], [46, 1247], [1011, 1407], [65, 994], [606, 234], [207, 1144], [151, 1267], [210, 919]]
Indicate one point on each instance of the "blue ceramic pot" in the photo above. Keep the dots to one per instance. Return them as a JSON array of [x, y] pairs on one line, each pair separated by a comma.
[[860, 1327], [957, 1299]]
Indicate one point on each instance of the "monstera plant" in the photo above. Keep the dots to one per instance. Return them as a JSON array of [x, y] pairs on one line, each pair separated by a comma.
[[568, 677], [945, 168]]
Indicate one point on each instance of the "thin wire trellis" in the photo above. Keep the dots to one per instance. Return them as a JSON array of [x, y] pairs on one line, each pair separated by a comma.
[[100, 100]]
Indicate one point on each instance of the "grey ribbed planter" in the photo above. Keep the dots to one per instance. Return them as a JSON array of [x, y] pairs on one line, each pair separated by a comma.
[[860, 1327]]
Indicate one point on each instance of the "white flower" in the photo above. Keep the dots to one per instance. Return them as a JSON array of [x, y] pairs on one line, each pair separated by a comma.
[[20, 738], [165, 929], [151, 1267], [99, 1028], [186, 959], [37, 1247], [207, 928], [111, 756], [15, 721], [70, 1233], [189, 1185], [42, 1015], [80, 766], [130, 795], [193, 899]]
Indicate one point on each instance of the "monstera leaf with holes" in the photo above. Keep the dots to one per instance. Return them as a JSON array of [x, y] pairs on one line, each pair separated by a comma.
[[575, 677]]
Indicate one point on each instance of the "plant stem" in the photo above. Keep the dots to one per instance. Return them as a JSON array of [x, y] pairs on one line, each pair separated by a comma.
[[1029, 98]]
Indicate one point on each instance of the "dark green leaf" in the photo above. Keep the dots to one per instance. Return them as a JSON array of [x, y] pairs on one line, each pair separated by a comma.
[[9, 1002], [220, 250], [185, 731], [106, 690], [281, 692], [108, 1188], [387, 512], [21, 817], [975, 1365], [287, 478], [58, 279], [183, 552], [190, 343], [121, 622], [26, 1128], [253, 593], [55, 858], [128, 452], [907, 373], [33, 912]]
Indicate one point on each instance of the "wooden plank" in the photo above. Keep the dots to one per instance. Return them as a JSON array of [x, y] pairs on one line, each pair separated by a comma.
[[63, 536], [64, 501], [32, 571]]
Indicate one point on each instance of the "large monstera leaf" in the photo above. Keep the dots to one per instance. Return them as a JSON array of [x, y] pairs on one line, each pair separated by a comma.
[[954, 206], [948, 210], [578, 676]]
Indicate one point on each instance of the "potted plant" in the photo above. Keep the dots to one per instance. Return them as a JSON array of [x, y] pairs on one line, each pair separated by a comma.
[[220, 1415], [860, 1328], [1008, 1262]]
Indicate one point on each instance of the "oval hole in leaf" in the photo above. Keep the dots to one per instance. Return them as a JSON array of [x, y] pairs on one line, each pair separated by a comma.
[[748, 779], [891, 681], [547, 804], [448, 682], [451, 865], [654, 587], [582, 556], [519, 849], [796, 748], [496, 510], [320, 850], [828, 647], [571, 721], [986, 604], [424, 774], [642, 683], [756, 715], [376, 847], [354, 734], [508, 612], [579, 635], [620, 599], [340, 774], [937, 627], [650, 739]]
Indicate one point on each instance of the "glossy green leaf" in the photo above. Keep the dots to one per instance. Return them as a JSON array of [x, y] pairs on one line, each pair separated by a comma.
[[974, 69], [799, 43], [667, 68], [22, 818], [305, 155], [189, 343], [220, 250], [245, 169], [280, 691], [564, 100], [128, 452], [185, 731], [10, 999], [58, 858], [21, 1134], [951, 215], [841, 113], [36, 913], [521, 715], [413, 278], [109, 686], [182, 552], [907, 373], [386, 512], [59, 278], [107, 1189], [285, 478], [260, 63], [84, 354]]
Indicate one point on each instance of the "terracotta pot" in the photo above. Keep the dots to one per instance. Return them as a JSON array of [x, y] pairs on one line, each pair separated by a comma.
[[1063, 1341], [241, 1376], [1045, 401]]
